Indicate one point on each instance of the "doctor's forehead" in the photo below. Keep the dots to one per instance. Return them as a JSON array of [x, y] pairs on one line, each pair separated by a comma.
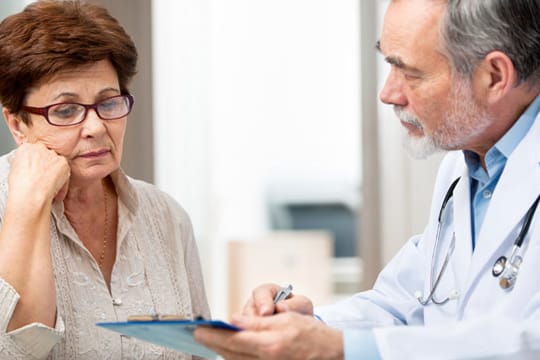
[[410, 27]]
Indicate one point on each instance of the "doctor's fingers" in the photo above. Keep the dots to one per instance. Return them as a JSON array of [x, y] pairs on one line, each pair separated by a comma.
[[291, 336], [244, 344], [296, 303], [261, 302], [276, 323], [282, 336], [286, 336], [222, 342]]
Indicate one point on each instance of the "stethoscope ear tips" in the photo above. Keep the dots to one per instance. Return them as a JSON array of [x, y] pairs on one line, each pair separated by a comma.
[[418, 295]]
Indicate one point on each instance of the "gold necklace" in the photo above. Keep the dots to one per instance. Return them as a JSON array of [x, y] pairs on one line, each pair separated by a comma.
[[105, 230]]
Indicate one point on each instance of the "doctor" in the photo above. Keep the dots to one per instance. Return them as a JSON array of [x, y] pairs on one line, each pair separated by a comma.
[[464, 78]]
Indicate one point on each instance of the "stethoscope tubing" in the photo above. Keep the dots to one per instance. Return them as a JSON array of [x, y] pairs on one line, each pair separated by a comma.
[[435, 285], [527, 223], [512, 265]]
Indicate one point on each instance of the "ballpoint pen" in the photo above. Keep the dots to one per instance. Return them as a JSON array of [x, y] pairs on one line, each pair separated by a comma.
[[283, 293]]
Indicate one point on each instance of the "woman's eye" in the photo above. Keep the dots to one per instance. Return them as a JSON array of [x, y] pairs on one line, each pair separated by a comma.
[[110, 104], [65, 110]]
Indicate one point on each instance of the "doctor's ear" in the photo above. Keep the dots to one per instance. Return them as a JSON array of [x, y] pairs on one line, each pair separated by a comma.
[[496, 76], [16, 126]]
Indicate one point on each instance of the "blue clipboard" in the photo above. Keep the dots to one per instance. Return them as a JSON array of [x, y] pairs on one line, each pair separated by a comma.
[[174, 334]]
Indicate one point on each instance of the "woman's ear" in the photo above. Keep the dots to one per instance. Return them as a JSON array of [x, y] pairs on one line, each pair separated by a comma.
[[16, 126]]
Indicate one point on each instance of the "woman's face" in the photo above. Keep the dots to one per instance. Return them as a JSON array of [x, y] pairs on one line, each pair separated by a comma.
[[92, 148]]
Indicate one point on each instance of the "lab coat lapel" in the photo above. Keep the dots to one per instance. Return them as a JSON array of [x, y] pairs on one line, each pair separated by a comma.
[[516, 190]]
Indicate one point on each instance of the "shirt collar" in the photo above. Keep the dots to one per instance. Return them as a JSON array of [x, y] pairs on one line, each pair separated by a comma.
[[502, 150]]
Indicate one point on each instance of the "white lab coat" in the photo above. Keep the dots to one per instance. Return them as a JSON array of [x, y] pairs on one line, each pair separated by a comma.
[[485, 321]]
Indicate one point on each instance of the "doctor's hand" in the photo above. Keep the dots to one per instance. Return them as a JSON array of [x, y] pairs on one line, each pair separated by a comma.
[[261, 302], [283, 336]]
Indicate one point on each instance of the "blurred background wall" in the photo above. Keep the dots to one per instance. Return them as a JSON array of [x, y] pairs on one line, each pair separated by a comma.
[[261, 118]]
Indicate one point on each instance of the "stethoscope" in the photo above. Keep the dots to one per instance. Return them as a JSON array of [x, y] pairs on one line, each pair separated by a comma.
[[507, 269]]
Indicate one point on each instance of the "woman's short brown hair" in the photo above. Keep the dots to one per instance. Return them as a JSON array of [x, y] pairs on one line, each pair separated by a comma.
[[50, 36]]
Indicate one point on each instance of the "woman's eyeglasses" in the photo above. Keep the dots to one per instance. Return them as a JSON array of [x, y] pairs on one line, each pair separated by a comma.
[[69, 114]]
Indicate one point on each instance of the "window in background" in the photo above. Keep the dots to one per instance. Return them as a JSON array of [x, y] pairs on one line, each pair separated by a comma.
[[255, 100]]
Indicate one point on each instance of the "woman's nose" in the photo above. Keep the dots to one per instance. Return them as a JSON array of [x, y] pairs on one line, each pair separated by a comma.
[[93, 123]]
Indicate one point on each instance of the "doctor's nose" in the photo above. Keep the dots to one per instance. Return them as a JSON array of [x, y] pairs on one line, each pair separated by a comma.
[[392, 91]]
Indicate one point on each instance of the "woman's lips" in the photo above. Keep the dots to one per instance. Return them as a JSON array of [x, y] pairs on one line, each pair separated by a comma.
[[95, 154]]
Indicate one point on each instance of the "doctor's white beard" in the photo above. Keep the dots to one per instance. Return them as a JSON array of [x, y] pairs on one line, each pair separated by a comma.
[[464, 121], [419, 147]]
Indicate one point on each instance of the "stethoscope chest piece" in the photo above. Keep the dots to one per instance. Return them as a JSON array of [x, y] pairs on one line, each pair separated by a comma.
[[498, 266], [509, 276], [508, 268]]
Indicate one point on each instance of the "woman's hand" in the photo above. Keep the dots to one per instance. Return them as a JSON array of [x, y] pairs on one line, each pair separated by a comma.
[[282, 336], [38, 173], [37, 177], [262, 302]]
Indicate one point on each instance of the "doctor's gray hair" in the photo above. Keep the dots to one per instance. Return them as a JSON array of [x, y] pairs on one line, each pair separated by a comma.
[[471, 29]]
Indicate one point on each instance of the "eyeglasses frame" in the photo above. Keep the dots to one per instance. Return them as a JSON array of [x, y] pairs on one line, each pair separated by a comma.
[[44, 111]]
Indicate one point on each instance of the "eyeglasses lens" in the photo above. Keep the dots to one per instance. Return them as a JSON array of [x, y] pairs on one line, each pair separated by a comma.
[[71, 113]]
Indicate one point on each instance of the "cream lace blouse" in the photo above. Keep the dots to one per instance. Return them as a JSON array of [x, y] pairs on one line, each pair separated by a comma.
[[157, 269]]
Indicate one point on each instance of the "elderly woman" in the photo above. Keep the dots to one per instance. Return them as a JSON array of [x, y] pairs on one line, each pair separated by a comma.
[[80, 242]]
